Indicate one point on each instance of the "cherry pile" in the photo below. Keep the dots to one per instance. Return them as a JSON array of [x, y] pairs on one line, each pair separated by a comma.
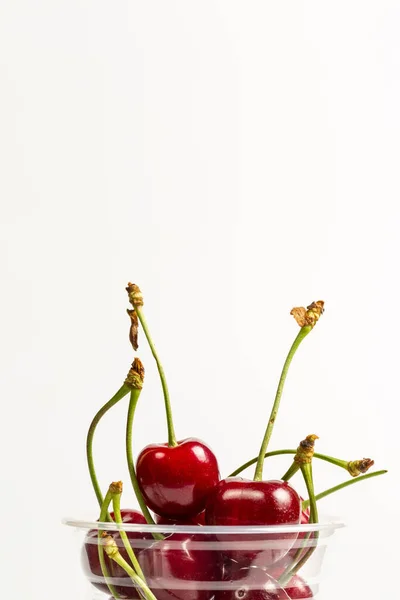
[[178, 483]]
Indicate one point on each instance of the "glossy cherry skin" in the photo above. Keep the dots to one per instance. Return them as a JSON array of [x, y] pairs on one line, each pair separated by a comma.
[[298, 589], [251, 583], [175, 481], [90, 554], [197, 520], [179, 560], [291, 555], [238, 501]]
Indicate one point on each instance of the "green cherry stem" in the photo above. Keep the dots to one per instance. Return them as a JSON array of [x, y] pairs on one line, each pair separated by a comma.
[[112, 552], [302, 555], [304, 454], [306, 470], [307, 319], [354, 468], [341, 486], [116, 500], [136, 299], [102, 519], [292, 470], [136, 377], [123, 391], [304, 331], [129, 456]]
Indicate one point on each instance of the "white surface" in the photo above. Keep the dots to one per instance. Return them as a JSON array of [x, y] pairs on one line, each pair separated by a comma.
[[234, 159]]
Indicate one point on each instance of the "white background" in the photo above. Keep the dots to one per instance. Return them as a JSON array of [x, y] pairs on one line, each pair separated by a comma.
[[234, 159]]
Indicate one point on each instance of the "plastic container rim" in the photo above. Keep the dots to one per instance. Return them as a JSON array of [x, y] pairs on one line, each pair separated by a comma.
[[325, 525]]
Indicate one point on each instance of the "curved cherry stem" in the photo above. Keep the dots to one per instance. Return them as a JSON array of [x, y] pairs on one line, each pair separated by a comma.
[[168, 410], [123, 391], [135, 393], [344, 464], [304, 331], [103, 518], [292, 470], [343, 485], [112, 551], [116, 499]]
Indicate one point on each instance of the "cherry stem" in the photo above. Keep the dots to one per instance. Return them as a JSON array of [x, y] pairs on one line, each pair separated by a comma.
[[170, 423], [112, 551], [103, 517], [123, 391], [304, 455], [344, 464], [116, 499], [306, 470], [304, 331], [292, 569], [292, 470], [341, 486], [135, 393]]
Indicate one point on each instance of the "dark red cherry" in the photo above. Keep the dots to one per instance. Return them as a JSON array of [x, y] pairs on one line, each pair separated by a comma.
[[251, 583], [298, 589], [173, 566], [286, 560], [176, 480], [197, 520], [305, 515], [90, 554], [236, 502]]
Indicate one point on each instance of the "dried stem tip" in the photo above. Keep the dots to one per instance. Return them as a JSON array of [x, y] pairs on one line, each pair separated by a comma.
[[356, 467], [109, 544], [305, 451], [116, 487], [135, 377], [308, 317], [133, 331], [135, 295]]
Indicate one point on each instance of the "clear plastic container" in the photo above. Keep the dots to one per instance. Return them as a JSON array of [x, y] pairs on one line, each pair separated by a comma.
[[207, 563]]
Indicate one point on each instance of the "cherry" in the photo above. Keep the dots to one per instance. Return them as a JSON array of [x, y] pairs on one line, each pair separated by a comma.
[[297, 589], [197, 520], [251, 584], [179, 560], [238, 501], [286, 560], [175, 480], [90, 554]]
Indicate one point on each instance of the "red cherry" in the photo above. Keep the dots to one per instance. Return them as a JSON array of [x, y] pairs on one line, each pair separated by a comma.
[[286, 560], [252, 584], [238, 501], [298, 589], [197, 520], [176, 480], [90, 554], [173, 564]]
